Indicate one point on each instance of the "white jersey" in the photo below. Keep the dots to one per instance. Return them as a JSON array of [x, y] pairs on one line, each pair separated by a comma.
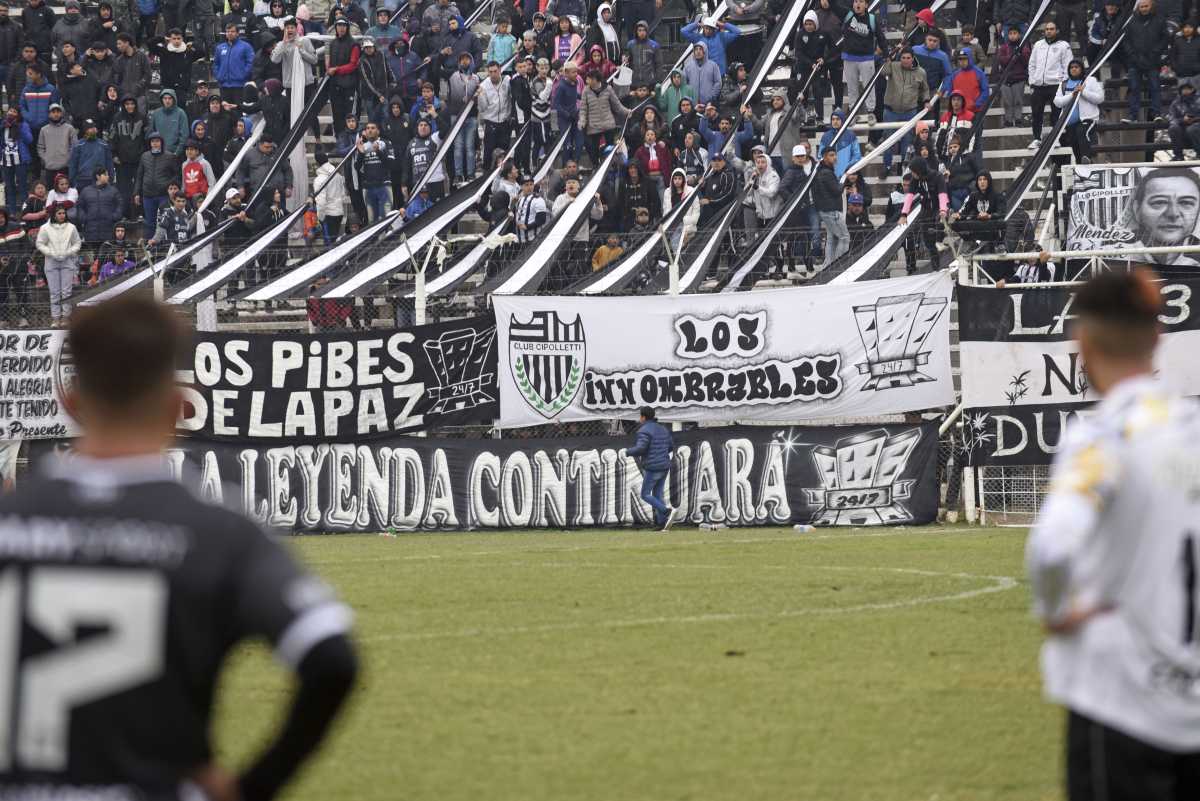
[[1120, 530]]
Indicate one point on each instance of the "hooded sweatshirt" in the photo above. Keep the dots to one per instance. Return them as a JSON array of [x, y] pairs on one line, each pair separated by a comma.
[[669, 95], [971, 82], [703, 76], [847, 147], [172, 123], [463, 84], [604, 34], [127, 135]]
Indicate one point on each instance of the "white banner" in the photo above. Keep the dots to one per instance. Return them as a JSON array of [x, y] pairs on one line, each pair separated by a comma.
[[33, 371], [874, 347]]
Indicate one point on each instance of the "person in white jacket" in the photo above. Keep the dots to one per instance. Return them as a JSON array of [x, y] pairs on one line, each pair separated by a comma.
[[680, 188], [1047, 69], [329, 186], [1081, 125], [59, 242]]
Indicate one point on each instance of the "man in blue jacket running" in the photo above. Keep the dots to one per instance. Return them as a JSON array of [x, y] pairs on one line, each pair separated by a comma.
[[653, 452]]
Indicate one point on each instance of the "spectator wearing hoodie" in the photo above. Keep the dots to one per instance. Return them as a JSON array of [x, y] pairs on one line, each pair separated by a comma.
[[643, 53], [969, 80], [407, 68], [715, 36], [703, 75], [778, 133], [906, 95], [848, 151], [100, 207], [603, 34], [233, 64], [37, 97], [1080, 130], [1011, 12], [862, 41], [1010, 71], [17, 154], [171, 122], [383, 31], [1047, 69], [685, 120], [668, 94], [463, 88], [89, 154], [457, 39], [440, 11], [734, 88], [957, 120], [1144, 47], [812, 53], [127, 136], [55, 141], [598, 63], [1184, 121], [959, 168], [157, 168], [197, 172]]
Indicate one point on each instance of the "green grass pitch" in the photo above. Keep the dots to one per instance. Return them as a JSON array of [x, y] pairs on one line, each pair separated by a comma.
[[881, 665]]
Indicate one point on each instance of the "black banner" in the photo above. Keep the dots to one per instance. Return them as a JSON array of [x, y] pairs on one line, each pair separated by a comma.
[[1027, 379], [342, 385], [744, 476]]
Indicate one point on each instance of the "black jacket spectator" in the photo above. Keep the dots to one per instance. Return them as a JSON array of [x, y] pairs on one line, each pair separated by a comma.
[[38, 21], [11, 38], [127, 136], [1146, 40], [99, 209], [1185, 55], [174, 66], [155, 171], [826, 189], [1008, 11]]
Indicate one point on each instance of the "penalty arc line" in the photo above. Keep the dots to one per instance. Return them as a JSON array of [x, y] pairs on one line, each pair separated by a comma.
[[998, 584]]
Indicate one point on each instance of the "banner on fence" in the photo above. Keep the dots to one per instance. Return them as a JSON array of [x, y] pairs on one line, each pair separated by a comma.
[[1137, 206], [343, 385], [1022, 377], [852, 476], [302, 387], [869, 348], [33, 370]]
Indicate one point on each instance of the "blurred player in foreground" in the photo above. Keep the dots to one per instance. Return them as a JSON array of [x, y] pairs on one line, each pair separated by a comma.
[[121, 594], [1113, 563]]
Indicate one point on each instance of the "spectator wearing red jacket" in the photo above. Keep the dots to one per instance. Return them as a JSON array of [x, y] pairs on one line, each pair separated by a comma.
[[341, 64], [654, 157], [969, 80]]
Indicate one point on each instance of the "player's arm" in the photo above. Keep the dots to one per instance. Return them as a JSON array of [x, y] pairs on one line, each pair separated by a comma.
[[1082, 483], [309, 630]]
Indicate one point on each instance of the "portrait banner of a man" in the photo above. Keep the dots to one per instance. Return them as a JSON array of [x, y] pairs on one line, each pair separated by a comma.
[[1136, 207]]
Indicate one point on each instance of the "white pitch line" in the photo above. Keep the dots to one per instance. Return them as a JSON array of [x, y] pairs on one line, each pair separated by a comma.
[[656, 541], [999, 584]]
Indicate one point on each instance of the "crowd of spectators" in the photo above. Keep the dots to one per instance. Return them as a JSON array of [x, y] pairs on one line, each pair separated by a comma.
[[120, 118]]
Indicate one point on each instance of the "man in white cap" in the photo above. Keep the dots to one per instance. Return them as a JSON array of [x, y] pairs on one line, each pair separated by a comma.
[[807, 244]]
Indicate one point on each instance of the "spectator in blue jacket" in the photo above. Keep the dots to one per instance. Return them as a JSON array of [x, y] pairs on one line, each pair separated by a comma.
[[89, 154], [715, 141], [653, 451], [702, 74], [933, 59], [17, 153], [848, 151], [564, 99], [36, 98], [715, 35], [233, 62]]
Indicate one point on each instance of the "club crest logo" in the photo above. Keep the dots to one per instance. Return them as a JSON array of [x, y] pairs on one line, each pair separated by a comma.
[[860, 479], [893, 331], [547, 359], [459, 359]]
